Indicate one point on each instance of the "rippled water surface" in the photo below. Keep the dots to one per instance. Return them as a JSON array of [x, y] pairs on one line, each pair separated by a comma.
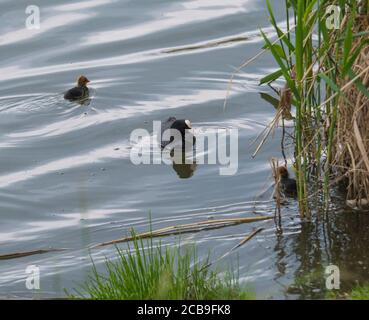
[[66, 179]]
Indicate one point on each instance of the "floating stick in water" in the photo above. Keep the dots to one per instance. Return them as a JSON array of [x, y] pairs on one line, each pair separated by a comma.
[[184, 228], [26, 253]]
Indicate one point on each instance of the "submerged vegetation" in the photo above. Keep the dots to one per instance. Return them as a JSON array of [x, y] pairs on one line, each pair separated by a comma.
[[323, 56], [150, 272]]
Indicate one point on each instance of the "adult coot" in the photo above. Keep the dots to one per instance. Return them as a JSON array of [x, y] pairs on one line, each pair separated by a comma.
[[182, 126]]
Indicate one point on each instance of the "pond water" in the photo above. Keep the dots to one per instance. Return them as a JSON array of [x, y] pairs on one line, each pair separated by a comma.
[[66, 178]]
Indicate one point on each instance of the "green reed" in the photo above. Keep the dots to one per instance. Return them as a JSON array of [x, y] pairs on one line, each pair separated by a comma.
[[312, 57]]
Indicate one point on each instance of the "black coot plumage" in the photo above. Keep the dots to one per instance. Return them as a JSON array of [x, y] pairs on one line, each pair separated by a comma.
[[182, 126], [288, 185], [79, 92]]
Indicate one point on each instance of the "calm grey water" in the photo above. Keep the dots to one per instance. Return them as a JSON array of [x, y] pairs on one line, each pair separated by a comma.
[[66, 179]]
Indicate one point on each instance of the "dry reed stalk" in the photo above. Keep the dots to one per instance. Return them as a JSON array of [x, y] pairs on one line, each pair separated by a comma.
[[283, 112], [351, 147], [184, 228], [16, 255], [277, 187], [238, 245]]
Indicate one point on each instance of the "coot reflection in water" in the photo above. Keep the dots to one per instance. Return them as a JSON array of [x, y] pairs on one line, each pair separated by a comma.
[[184, 170]]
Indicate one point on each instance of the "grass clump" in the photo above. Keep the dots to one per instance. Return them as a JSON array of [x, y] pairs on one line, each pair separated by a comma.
[[157, 272], [360, 293]]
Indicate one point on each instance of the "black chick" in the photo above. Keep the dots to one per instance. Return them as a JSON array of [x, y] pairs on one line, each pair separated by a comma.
[[79, 92], [289, 186]]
